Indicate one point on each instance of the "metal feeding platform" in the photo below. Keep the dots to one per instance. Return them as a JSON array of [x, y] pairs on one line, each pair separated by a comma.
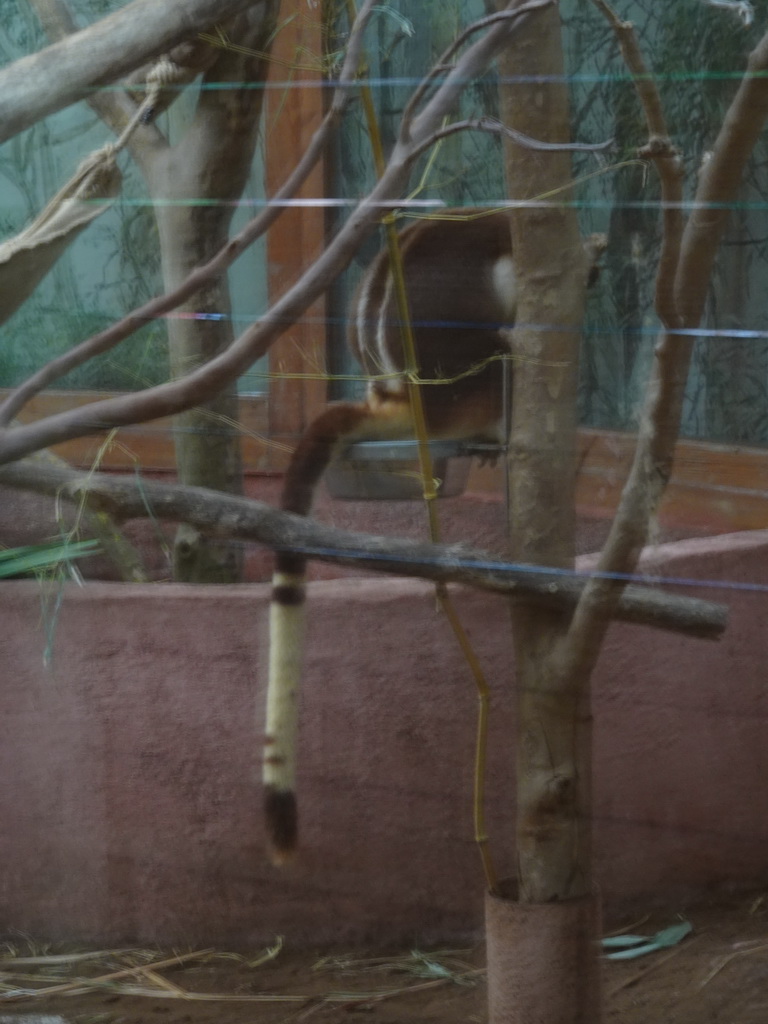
[[390, 470]]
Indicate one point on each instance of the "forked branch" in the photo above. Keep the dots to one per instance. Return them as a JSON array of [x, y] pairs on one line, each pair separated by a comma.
[[224, 515], [659, 150], [685, 287]]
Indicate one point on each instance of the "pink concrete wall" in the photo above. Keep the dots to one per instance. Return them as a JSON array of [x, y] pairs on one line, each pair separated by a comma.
[[130, 802]]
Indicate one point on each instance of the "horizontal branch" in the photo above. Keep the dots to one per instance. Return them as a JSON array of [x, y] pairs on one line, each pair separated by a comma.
[[61, 74], [493, 126], [224, 515]]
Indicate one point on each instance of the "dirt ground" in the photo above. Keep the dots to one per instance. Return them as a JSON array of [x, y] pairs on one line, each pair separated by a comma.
[[717, 975]]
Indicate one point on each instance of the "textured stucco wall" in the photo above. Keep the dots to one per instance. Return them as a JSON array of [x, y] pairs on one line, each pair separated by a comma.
[[130, 802]]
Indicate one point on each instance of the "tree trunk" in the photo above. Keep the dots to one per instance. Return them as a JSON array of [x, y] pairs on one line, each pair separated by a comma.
[[554, 726], [38, 85], [211, 162], [553, 809]]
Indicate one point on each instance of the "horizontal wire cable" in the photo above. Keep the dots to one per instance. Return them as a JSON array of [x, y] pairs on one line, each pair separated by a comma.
[[410, 81], [515, 568], [397, 204], [520, 568], [737, 333]]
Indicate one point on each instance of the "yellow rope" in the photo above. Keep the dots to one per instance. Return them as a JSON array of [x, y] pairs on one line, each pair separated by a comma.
[[430, 492], [412, 377]]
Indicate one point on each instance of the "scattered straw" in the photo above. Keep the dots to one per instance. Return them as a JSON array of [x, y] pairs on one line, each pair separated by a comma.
[[659, 962], [161, 982], [727, 959], [363, 1000], [442, 964], [80, 984], [628, 929], [59, 958], [269, 954], [144, 980]]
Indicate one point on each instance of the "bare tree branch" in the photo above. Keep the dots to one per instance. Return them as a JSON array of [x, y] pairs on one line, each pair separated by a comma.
[[115, 108], [442, 64], [38, 85], [664, 155], [471, 64], [660, 423], [195, 387], [491, 126], [224, 515], [719, 179], [203, 275]]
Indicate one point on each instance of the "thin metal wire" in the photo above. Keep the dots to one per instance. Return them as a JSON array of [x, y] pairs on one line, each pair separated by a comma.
[[648, 579], [409, 81]]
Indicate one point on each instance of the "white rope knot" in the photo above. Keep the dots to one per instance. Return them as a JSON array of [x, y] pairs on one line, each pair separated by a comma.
[[165, 72]]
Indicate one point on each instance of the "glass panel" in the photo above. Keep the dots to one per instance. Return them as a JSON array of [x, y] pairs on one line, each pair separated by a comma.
[[114, 265], [698, 54]]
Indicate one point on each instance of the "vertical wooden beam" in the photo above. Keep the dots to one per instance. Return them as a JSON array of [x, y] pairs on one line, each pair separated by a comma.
[[293, 114]]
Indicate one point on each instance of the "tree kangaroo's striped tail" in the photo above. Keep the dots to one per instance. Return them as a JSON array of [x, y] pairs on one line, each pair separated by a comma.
[[461, 295], [286, 626], [461, 289]]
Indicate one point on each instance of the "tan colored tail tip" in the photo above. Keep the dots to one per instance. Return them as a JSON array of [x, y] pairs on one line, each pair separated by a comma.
[[281, 819]]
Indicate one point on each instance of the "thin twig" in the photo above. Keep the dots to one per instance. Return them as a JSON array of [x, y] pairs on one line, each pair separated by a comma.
[[628, 928], [666, 158], [442, 63], [353, 1000], [218, 264], [492, 126]]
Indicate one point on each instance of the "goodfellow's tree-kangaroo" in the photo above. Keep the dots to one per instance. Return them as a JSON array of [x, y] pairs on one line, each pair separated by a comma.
[[461, 296]]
